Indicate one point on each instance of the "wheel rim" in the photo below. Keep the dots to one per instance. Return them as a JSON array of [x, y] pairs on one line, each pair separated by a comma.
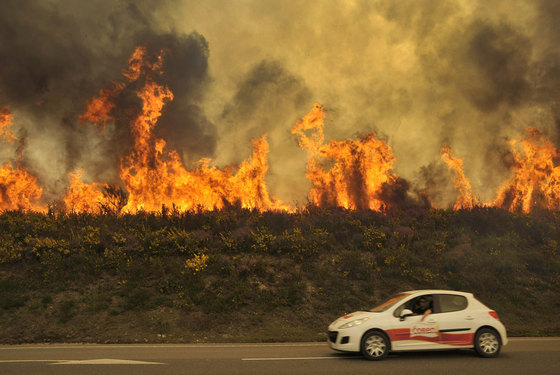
[[488, 343], [375, 346]]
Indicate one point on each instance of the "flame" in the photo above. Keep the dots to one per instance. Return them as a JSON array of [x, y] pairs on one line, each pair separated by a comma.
[[353, 173], [99, 109], [6, 118], [466, 199], [139, 64], [536, 175], [360, 170], [18, 188], [83, 197], [153, 176]]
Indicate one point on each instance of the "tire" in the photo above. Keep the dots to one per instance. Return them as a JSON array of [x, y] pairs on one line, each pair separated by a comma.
[[375, 345], [487, 343]]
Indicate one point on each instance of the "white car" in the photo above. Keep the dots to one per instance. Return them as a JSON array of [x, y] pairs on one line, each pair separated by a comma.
[[455, 320]]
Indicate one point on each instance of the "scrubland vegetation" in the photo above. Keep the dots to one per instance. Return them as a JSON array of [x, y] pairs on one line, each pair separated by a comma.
[[241, 275]]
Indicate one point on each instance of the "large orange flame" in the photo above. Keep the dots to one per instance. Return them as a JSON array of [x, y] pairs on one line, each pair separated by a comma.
[[99, 109], [536, 179], [18, 188], [360, 170], [355, 173], [83, 197], [466, 199], [154, 177]]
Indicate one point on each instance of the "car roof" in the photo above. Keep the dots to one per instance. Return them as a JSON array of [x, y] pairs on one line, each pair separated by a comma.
[[437, 291]]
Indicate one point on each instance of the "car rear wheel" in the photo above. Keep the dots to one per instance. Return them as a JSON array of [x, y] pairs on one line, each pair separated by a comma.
[[487, 343], [375, 345]]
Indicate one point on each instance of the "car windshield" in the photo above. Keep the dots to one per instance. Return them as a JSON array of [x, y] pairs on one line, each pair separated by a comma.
[[387, 305]]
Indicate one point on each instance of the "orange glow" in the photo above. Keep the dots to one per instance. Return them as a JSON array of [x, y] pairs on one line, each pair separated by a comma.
[[153, 176], [5, 125], [18, 188], [99, 109], [360, 168], [138, 64], [536, 175], [466, 199], [83, 197], [355, 174]]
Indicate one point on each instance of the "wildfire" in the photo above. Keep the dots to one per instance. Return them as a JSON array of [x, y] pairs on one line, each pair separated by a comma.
[[360, 171], [355, 173], [153, 176], [99, 109], [5, 125], [466, 199], [83, 197], [536, 178], [18, 188]]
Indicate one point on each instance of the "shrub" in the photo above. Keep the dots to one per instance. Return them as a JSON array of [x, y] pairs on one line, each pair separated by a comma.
[[10, 249], [197, 263], [51, 253], [262, 240], [374, 238]]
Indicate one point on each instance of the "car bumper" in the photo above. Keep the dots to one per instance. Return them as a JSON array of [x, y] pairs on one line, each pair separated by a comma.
[[344, 341], [503, 333]]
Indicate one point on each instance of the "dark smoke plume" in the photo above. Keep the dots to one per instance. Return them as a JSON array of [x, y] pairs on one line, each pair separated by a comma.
[[56, 55]]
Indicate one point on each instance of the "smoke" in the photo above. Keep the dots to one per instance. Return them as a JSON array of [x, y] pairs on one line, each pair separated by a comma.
[[496, 67], [57, 55], [424, 73], [546, 72], [268, 100]]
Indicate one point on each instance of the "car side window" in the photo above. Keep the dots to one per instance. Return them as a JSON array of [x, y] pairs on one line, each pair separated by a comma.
[[413, 305], [452, 302], [399, 309]]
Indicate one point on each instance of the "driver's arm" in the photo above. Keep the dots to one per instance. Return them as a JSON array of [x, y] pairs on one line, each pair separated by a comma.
[[426, 313]]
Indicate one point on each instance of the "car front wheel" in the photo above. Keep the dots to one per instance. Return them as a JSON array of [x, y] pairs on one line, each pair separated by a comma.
[[375, 345], [487, 343]]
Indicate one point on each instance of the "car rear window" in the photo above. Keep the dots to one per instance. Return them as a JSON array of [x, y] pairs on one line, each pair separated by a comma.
[[452, 302]]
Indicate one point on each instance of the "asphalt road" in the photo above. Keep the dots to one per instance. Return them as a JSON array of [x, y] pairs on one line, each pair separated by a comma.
[[521, 356]]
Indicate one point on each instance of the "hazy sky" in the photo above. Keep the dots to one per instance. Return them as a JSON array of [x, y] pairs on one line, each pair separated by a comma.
[[419, 73]]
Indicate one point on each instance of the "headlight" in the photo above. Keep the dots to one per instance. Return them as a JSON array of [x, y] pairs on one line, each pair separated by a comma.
[[353, 323]]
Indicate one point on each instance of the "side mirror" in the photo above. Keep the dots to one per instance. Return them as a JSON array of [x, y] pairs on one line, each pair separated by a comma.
[[405, 313]]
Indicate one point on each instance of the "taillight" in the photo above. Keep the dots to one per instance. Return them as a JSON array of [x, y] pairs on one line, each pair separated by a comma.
[[494, 314]]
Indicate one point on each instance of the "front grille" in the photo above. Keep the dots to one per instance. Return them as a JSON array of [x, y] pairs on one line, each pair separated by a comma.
[[332, 336]]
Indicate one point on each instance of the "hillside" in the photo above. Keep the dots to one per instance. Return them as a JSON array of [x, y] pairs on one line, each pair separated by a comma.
[[241, 275]]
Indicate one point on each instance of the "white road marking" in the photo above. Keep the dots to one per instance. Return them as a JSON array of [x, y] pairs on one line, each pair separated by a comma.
[[151, 346], [29, 360], [106, 361]]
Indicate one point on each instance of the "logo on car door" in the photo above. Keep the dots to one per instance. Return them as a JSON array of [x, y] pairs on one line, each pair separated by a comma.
[[424, 330]]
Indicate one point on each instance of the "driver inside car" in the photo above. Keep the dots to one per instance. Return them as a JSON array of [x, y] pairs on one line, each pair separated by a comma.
[[422, 307]]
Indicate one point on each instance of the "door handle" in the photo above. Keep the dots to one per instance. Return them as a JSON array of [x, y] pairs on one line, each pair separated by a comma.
[[469, 317], [431, 321]]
